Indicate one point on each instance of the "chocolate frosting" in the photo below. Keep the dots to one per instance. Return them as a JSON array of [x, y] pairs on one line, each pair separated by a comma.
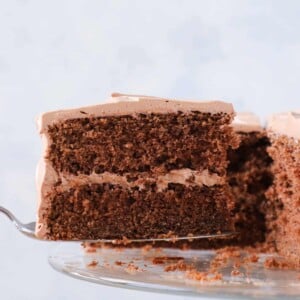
[[122, 104], [246, 122], [285, 124]]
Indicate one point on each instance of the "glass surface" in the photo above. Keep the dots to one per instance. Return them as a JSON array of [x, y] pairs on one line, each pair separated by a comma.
[[134, 269]]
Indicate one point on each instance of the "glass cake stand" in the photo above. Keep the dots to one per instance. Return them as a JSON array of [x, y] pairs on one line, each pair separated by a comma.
[[136, 269]]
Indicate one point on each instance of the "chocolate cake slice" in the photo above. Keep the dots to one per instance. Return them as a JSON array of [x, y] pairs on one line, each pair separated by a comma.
[[138, 167], [283, 218]]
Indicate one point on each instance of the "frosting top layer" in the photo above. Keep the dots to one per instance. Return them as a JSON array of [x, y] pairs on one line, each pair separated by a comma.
[[122, 104], [246, 122], [285, 124]]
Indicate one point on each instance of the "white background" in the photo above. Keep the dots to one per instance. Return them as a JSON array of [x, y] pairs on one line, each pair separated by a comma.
[[59, 54]]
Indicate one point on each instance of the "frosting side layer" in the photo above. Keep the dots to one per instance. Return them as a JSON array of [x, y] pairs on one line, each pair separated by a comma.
[[285, 124], [246, 122]]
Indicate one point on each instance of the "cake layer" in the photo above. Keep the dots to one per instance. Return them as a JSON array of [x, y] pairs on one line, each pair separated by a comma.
[[284, 195], [97, 211], [249, 176], [142, 143]]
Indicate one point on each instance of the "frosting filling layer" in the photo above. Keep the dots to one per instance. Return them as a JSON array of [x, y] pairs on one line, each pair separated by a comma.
[[186, 177]]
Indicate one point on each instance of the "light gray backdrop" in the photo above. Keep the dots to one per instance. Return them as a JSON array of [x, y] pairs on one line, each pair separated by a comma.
[[59, 54]]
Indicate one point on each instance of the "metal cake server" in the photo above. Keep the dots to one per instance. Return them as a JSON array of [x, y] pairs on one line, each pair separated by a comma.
[[28, 229]]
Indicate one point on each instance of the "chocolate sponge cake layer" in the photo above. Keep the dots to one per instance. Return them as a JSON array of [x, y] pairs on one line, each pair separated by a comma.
[[138, 168], [111, 211], [148, 143], [283, 216], [249, 175]]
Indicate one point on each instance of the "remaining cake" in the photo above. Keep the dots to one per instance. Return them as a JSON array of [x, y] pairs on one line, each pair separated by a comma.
[[283, 215], [249, 176], [141, 167]]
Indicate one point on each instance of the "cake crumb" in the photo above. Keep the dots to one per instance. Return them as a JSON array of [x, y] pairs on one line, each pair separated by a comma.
[[119, 263], [178, 266], [229, 252], [253, 258], [159, 260], [185, 247], [146, 248], [203, 276], [132, 269], [237, 264], [90, 250], [235, 272], [281, 264], [92, 264]]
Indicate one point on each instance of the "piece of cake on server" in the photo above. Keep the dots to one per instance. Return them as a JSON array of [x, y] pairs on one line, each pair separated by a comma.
[[141, 167], [146, 167]]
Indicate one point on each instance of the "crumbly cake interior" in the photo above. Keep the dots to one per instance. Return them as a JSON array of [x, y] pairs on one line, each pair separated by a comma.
[[284, 197], [249, 175], [139, 148], [111, 211], [145, 143]]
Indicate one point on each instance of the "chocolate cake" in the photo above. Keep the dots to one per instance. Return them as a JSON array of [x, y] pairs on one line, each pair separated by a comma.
[[283, 215], [138, 167], [249, 176]]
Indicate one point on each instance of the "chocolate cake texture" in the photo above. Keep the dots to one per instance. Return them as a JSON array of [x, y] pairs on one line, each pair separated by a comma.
[[146, 167], [283, 215], [138, 167], [249, 176]]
